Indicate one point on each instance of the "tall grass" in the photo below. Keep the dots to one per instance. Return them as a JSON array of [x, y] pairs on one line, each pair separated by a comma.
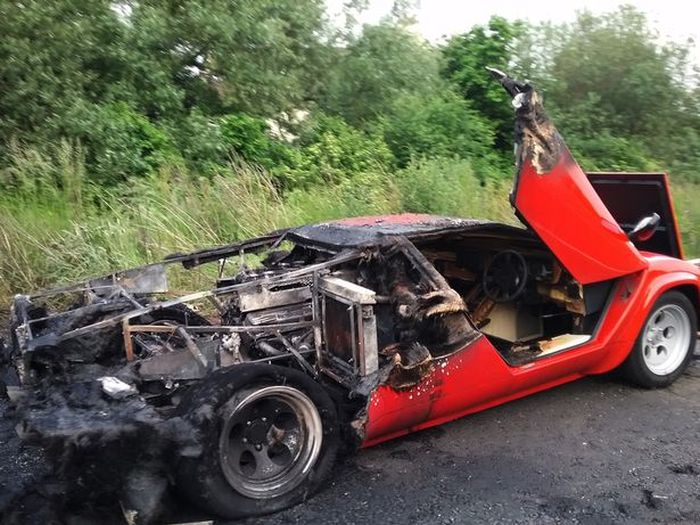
[[686, 198], [55, 227]]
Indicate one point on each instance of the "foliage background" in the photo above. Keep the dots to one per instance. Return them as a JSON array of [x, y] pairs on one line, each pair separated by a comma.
[[129, 130]]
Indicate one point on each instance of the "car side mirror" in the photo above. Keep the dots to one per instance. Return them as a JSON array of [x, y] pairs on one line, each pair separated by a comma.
[[645, 228]]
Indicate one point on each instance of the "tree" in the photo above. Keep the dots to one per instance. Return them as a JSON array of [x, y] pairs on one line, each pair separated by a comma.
[[465, 58], [441, 126], [613, 66], [259, 56], [333, 152], [385, 62], [97, 71], [621, 98], [52, 56]]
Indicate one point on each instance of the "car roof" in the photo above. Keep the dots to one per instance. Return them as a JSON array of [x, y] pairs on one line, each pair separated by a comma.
[[372, 230], [356, 232]]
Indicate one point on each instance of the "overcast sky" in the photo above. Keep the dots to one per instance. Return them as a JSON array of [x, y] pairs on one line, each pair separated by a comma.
[[676, 20]]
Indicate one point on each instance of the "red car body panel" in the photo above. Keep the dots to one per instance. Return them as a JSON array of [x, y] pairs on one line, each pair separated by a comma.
[[571, 219], [477, 377]]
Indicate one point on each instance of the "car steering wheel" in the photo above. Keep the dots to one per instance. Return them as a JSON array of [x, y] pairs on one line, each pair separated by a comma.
[[505, 276]]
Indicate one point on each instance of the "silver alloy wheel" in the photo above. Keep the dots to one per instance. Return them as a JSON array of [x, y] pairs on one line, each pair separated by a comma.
[[270, 439], [666, 339]]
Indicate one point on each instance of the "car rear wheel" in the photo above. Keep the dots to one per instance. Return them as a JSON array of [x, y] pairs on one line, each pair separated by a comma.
[[269, 437], [665, 345]]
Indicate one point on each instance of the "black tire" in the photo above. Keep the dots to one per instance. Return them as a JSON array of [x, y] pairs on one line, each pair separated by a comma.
[[636, 369], [202, 479]]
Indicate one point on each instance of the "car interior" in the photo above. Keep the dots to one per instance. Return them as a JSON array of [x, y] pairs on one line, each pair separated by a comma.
[[517, 293]]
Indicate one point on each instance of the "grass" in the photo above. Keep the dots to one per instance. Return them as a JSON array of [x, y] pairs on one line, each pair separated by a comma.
[[686, 198], [50, 238], [56, 228]]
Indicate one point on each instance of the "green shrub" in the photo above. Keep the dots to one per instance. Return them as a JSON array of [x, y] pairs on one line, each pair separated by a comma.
[[605, 152], [248, 138], [686, 157], [58, 233], [686, 197], [365, 194], [332, 151], [120, 143], [451, 187], [199, 140], [440, 126]]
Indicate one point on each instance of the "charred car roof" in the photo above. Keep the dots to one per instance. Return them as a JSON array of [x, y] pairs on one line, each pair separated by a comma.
[[355, 232], [373, 230]]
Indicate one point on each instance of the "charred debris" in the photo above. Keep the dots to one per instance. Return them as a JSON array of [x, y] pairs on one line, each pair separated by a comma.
[[100, 383], [535, 134], [123, 331], [102, 368]]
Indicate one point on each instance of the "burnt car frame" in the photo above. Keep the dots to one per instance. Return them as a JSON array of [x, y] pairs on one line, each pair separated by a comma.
[[353, 332]]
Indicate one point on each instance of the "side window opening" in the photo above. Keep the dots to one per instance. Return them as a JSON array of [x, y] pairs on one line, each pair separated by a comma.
[[518, 295], [631, 196]]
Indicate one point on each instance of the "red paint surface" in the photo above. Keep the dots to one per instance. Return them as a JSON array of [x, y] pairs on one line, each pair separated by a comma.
[[567, 214], [401, 218]]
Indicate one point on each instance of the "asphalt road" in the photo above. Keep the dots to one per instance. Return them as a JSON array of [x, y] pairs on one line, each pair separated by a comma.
[[594, 451]]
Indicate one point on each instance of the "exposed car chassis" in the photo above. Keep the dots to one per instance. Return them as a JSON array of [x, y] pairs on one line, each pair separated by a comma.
[[112, 367], [124, 299]]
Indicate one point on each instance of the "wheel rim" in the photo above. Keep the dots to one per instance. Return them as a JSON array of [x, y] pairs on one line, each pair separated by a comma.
[[270, 440], [666, 339]]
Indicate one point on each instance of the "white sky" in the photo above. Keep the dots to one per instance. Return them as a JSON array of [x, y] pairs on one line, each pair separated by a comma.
[[675, 20]]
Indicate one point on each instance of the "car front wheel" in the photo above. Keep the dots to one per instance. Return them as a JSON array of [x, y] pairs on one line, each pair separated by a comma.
[[269, 437], [665, 345]]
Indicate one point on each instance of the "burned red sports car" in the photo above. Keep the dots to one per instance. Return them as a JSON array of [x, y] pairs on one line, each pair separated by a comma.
[[349, 333]]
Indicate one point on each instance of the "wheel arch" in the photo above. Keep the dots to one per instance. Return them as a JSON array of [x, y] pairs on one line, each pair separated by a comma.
[[635, 368], [680, 282], [646, 288], [664, 278], [692, 292]]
